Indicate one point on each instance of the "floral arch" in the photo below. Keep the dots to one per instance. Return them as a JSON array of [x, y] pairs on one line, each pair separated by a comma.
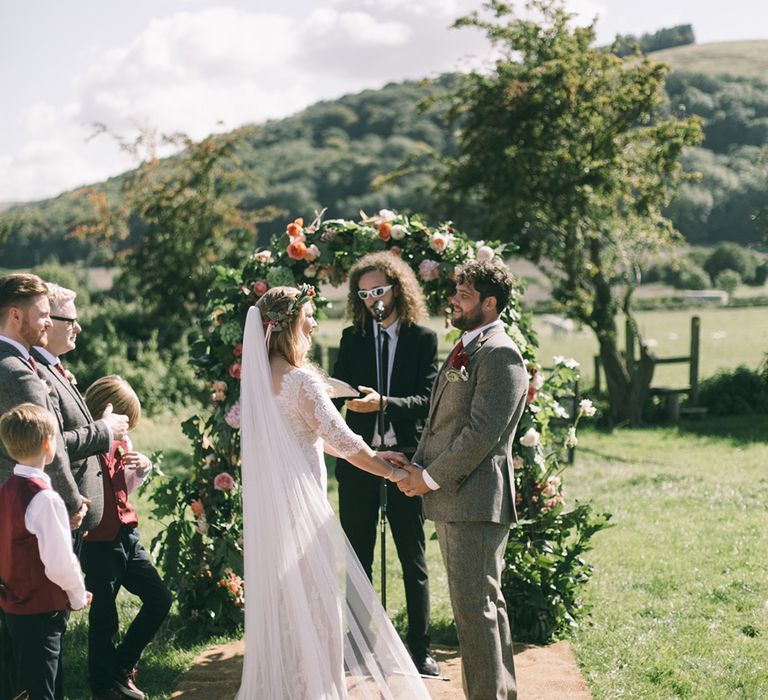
[[201, 547]]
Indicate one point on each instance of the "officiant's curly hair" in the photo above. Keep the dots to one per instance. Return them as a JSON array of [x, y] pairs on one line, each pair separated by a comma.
[[289, 342], [409, 299]]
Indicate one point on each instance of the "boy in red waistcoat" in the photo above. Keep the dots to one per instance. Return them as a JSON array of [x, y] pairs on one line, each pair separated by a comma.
[[112, 557], [40, 578]]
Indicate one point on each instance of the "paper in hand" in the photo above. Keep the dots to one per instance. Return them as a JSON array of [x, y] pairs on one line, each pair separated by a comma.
[[340, 389]]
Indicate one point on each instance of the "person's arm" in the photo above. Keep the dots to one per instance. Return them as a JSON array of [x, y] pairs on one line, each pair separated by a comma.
[[46, 519], [501, 385], [342, 366], [91, 439], [325, 421], [136, 468]]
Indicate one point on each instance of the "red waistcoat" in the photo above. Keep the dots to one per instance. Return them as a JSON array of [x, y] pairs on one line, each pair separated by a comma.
[[24, 587], [117, 510]]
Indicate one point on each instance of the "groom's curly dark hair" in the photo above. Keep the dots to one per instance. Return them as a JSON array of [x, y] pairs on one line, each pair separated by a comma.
[[492, 278], [409, 299]]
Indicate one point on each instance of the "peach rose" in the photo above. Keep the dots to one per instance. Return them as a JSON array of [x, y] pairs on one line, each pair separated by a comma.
[[197, 508], [296, 249], [385, 231], [311, 253], [438, 242]]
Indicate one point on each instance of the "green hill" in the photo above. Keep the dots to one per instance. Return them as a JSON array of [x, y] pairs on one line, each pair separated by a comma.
[[333, 154], [743, 59]]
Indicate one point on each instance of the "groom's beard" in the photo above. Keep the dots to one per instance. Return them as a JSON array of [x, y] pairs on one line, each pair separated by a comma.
[[388, 309]]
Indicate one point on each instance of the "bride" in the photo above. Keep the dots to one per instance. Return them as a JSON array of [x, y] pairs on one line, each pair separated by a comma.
[[314, 628]]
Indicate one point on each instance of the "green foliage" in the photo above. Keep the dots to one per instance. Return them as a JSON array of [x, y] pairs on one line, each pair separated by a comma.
[[627, 44], [728, 280], [202, 555], [733, 257], [737, 392], [565, 147], [680, 272]]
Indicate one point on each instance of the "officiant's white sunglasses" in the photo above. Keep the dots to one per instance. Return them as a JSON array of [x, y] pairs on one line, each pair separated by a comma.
[[375, 292]]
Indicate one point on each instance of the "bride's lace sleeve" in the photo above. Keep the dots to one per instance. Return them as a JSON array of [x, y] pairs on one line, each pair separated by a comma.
[[316, 408]]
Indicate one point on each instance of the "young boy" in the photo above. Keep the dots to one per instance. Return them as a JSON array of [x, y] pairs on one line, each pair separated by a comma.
[[40, 578], [112, 557]]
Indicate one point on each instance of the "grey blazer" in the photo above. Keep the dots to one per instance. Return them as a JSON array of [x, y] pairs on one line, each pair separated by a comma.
[[84, 438], [19, 383], [467, 442]]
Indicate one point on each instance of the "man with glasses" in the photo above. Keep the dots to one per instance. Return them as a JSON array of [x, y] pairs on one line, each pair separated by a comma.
[[85, 439], [410, 365]]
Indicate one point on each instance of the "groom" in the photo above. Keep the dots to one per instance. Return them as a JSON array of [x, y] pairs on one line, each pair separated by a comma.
[[467, 481]]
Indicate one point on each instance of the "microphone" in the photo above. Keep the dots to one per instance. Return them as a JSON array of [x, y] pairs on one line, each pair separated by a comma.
[[378, 310]]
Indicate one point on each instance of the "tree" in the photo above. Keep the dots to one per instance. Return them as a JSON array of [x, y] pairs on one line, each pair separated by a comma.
[[561, 150]]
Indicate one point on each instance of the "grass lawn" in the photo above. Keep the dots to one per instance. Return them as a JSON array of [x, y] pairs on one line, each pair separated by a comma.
[[679, 597]]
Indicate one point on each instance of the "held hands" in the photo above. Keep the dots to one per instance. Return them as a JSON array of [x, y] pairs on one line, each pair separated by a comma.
[[396, 460], [413, 484], [117, 422], [76, 520], [368, 404]]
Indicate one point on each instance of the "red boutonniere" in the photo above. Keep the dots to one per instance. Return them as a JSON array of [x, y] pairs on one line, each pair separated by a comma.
[[457, 372]]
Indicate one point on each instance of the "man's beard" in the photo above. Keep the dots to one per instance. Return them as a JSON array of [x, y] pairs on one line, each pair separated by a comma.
[[31, 336], [469, 319], [388, 309]]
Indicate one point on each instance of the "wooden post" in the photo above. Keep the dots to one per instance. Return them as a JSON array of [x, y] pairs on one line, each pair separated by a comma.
[[694, 363], [630, 345]]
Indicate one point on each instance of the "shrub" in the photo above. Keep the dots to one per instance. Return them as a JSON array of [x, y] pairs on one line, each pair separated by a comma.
[[731, 256], [728, 280], [737, 392]]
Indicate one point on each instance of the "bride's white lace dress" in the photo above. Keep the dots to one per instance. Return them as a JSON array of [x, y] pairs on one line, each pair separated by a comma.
[[314, 628]]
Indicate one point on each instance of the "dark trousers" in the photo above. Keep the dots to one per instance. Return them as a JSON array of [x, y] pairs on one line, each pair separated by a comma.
[[108, 566], [36, 640], [359, 495]]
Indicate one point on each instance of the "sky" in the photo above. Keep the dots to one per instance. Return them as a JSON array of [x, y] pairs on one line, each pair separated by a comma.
[[199, 66]]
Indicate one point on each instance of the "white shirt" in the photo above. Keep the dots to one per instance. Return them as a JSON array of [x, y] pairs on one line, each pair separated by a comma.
[[393, 332], [46, 518], [24, 351], [466, 338]]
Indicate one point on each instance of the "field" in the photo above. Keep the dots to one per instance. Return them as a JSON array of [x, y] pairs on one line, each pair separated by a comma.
[[741, 58]]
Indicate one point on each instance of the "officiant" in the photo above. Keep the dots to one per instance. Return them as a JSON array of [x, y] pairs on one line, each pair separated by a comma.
[[409, 359]]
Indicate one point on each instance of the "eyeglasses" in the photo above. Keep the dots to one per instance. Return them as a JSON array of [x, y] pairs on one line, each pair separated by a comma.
[[375, 292], [69, 321]]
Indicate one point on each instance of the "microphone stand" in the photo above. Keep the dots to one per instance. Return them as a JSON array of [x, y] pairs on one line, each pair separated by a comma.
[[378, 311]]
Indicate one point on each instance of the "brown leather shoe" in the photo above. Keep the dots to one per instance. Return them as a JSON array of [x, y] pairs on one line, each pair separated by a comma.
[[125, 681]]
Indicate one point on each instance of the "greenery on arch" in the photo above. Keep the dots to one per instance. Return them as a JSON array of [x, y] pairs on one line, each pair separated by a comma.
[[201, 548]]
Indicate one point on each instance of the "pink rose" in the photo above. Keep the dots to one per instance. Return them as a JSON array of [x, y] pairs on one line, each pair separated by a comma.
[[311, 253], [264, 256], [429, 270], [485, 253], [232, 419], [438, 242], [260, 287], [234, 370], [237, 350], [197, 508], [224, 482]]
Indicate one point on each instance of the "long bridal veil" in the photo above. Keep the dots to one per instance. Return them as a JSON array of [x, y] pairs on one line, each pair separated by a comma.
[[314, 628]]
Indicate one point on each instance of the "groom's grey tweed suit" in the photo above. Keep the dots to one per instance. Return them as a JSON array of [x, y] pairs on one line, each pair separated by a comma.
[[467, 448], [19, 384], [84, 438]]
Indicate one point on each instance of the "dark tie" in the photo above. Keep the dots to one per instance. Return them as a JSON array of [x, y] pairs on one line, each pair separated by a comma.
[[32, 362], [455, 353], [60, 367], [384, 388]]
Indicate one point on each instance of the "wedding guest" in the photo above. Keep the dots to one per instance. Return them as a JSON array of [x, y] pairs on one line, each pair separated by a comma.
[[410, 364], [112, 557], [40, 578], [84, 438]]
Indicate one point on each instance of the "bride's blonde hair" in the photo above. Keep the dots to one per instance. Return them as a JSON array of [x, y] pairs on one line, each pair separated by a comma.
[[289, 342]]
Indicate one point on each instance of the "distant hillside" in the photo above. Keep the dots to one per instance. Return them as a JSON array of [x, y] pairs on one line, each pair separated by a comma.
[[333, 154], [744, 59]]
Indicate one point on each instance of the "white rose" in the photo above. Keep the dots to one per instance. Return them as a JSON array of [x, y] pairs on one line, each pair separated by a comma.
[[438, 242], [571, 440], [560, 412], [485, 252], [399, 232], [553, 484], [531, 438], [386, 215], [587, 408], [538, 380]]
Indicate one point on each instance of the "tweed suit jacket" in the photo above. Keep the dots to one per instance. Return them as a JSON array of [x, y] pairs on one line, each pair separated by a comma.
[[84, 438], [467, 442], [19, 383]]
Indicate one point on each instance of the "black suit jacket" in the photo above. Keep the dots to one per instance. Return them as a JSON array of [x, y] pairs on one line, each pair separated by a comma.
[[413, 374], [19, 383], [84, 438]]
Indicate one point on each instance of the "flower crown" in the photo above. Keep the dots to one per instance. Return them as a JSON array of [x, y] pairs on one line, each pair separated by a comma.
[[277, 320]]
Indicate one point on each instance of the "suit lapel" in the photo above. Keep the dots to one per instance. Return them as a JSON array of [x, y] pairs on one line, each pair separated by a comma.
[[64, 385]]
